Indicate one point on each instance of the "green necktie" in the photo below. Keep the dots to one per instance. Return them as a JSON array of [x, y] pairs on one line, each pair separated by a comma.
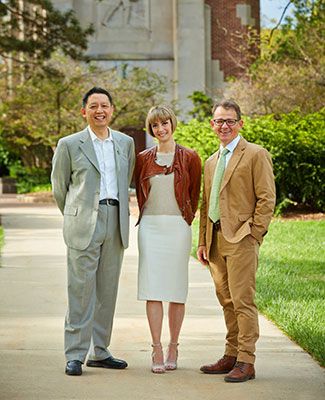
[[214, 212]]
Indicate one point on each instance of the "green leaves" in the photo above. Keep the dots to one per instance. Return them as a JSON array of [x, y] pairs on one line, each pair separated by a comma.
[[198, 136], [296, 143], [47, 106], [32, 30], [289, 74], [202, 105]]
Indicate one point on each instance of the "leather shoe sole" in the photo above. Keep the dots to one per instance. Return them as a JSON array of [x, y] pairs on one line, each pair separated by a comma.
[[109, 362], [222, 366], [73, 368], [219, 372], [234, 380]]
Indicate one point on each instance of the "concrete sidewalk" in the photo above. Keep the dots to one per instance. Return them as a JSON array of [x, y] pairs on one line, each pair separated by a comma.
[[32, 308]]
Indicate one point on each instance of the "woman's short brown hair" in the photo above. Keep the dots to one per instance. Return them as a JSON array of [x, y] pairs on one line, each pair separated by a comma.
[[160, 113]]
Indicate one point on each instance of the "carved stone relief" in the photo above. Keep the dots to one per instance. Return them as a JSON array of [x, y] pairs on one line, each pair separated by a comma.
[[116, 14]]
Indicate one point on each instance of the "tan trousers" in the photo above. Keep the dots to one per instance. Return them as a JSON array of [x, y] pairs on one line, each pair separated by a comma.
[[233, 268]]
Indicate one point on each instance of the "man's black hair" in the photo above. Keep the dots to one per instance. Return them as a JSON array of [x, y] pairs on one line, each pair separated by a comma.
[[93, 90]]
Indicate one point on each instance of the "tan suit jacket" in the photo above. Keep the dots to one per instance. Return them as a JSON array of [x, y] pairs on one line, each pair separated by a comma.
[[247, 195]]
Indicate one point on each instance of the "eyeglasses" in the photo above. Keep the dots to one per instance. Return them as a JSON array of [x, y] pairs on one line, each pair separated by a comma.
[[229, 122]]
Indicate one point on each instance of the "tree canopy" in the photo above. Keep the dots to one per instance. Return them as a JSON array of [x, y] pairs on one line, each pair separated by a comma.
[[32, 30], [290, 72], [46, 108], [40, 53]]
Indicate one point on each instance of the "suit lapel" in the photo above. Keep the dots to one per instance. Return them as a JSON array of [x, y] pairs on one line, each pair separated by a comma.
[[212, 168], [117, 152], [237, 155], [87, 148]]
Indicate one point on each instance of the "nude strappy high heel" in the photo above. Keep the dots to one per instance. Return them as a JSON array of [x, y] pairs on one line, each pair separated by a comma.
[[171, 365], [156, 368]]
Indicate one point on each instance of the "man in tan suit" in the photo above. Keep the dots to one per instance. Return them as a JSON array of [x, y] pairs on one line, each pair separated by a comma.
[[233, 222], [91, 173]]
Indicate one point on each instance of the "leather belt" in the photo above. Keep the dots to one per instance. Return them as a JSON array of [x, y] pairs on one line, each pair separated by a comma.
[[217, 225], [110, 202]]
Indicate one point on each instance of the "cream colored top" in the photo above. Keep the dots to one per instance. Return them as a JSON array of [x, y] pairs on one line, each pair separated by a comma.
[[161, 199]]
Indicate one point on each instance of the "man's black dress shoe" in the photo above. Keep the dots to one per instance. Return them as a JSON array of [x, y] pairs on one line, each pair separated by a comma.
[[109, 362], [73, 367]]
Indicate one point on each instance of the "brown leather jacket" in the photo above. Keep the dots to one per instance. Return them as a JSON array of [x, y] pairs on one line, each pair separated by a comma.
[[187, 178]]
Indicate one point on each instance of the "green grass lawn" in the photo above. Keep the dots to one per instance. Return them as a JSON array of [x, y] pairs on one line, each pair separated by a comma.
[[291, 281]]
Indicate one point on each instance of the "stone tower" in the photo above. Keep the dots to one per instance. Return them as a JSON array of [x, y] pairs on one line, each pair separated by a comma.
[[197, 44]]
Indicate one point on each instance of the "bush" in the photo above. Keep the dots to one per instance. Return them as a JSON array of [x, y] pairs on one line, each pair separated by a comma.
[[295, 142], [198, 136], [6, 157], [29, 179], [297, 148]]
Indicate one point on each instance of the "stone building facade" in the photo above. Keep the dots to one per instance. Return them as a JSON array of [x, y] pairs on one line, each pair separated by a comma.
[[196, 44]]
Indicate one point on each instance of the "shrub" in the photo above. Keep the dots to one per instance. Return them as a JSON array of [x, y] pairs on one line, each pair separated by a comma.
[[297, 146], [295, 142], [198, 136], [27, 179]]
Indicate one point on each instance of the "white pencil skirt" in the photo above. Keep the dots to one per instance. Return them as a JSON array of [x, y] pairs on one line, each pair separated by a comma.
[[164, 243]]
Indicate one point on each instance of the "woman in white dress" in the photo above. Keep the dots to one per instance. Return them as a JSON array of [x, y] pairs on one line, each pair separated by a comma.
[[168, 178]]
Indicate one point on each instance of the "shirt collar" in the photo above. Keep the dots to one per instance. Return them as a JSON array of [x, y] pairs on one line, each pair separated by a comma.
[[232, 145], [94, 137]]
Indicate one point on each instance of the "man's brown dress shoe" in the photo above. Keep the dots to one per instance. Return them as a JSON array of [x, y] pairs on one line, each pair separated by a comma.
[[241, 372], [222, 366]]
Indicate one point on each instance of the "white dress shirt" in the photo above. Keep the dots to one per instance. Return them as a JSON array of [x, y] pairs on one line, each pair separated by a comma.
[[231, 147], [104, 150]]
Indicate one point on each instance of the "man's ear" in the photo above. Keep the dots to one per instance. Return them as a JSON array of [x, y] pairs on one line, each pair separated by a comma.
[[241, 123], [211, 123], [83, 112]]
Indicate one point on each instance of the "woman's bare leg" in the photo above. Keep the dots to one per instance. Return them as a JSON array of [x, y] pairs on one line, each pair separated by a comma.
[[176, 314], [155, 315]]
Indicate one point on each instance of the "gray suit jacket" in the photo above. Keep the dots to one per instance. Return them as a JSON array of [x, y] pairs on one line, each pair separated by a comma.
[[76, 185]]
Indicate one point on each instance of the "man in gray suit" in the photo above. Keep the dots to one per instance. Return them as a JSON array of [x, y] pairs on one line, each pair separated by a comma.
[[91, 173]]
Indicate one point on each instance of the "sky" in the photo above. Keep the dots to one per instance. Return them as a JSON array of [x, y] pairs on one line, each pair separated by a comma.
[[272, 9]]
